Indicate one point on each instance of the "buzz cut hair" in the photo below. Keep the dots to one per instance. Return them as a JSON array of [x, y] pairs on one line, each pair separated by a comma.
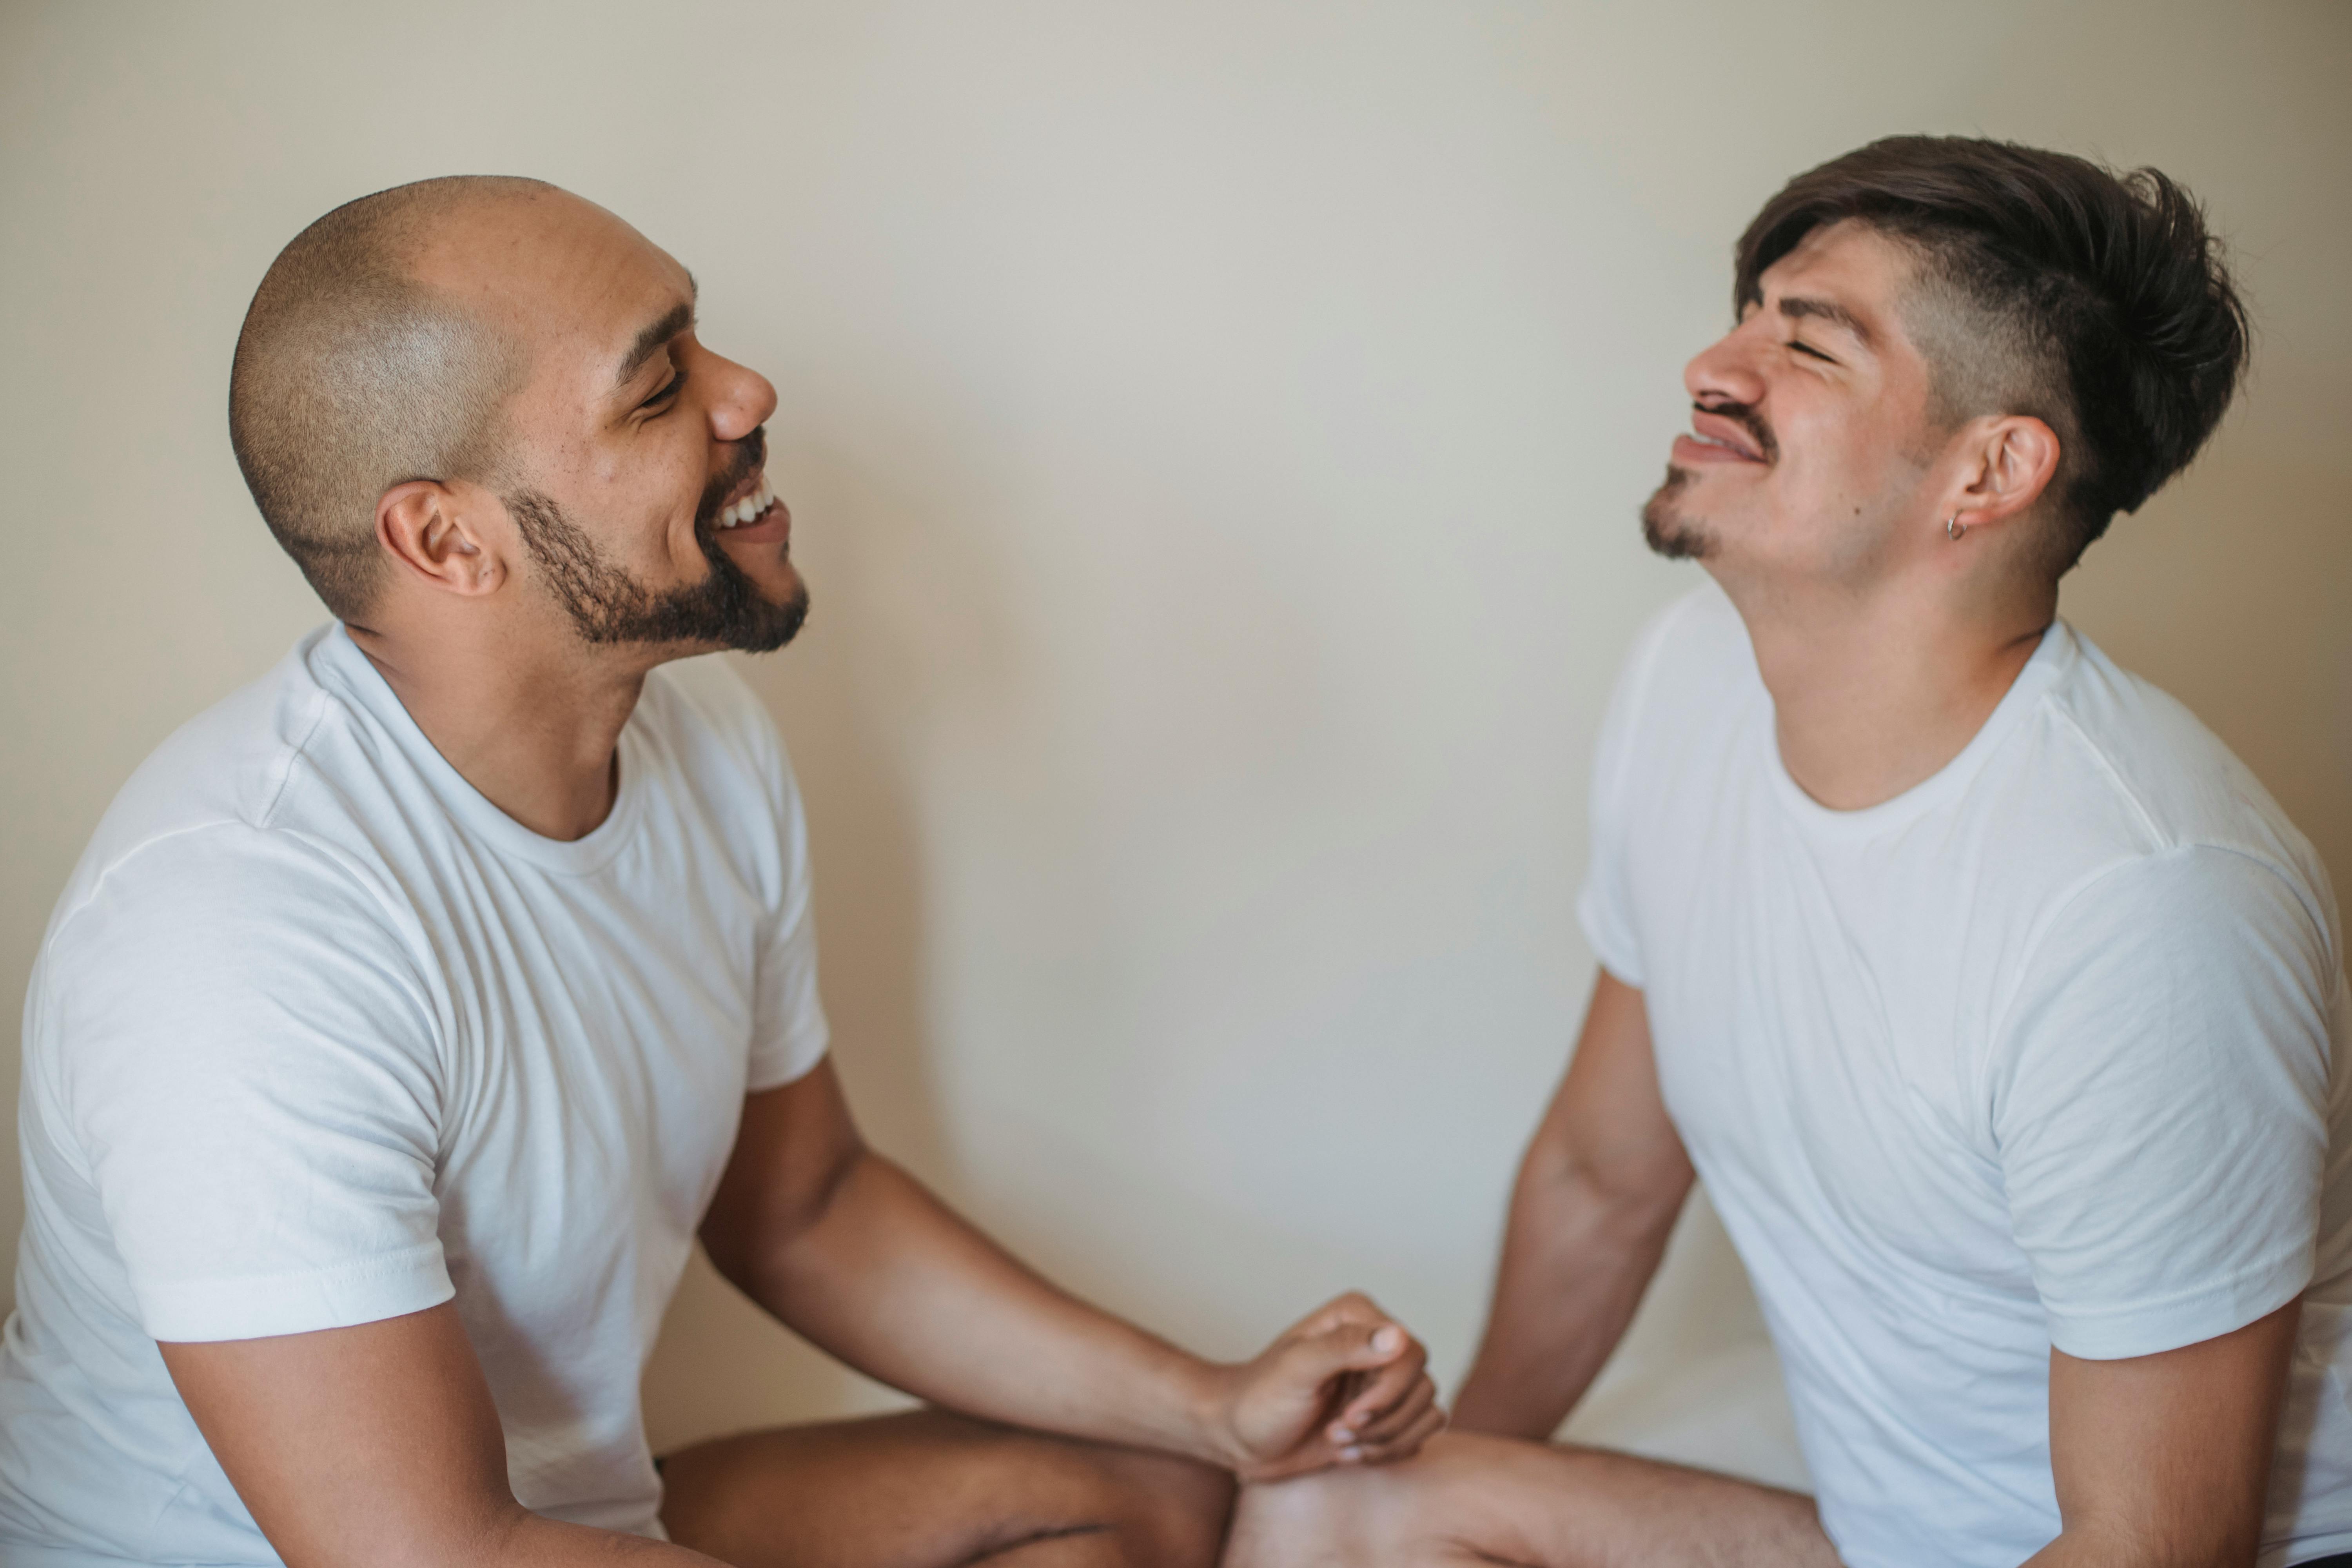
[[352, 376], [2048, 284]]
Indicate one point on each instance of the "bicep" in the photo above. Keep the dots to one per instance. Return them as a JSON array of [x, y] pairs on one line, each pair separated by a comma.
[[795, 1145], [374, 1443], [2170, 1454], [1608, 1127]]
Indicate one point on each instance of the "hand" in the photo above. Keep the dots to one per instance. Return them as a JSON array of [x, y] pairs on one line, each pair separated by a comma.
[[1346, 1386]]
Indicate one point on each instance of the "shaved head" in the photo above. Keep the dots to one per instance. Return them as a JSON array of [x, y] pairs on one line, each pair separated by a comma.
[[353, 376]]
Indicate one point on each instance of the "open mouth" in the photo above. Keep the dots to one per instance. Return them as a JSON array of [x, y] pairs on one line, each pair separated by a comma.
[[748, 508], [1712, 429]]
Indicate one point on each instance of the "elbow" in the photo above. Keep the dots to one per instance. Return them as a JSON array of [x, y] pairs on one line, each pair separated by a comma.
[[1620, 1196]]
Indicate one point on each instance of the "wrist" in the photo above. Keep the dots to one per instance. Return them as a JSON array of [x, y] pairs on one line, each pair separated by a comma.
[[1206, 1399]]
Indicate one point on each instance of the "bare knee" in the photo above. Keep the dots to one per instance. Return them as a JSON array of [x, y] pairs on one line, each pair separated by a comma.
[[1437, 1508], [1332, 1519]]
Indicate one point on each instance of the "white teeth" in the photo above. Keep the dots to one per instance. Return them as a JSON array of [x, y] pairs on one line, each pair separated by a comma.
[[736, 514]]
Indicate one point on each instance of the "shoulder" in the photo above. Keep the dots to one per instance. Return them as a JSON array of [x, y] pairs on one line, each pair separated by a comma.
[[2193, 905], [222, 960], [223, 778], [2180, 809], [187, 918]]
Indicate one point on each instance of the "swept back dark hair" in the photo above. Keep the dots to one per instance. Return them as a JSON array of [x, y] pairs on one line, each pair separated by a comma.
[[2096, 301]]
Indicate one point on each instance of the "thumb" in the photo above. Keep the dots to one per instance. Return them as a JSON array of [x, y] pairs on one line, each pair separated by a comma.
[[1351, 1347]]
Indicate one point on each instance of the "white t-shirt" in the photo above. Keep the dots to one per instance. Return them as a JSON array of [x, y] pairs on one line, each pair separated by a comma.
[[2051, 1049], [318, 1037]]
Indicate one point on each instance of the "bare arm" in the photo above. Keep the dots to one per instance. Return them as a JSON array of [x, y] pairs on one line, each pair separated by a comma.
[[379, 1445], [851, 1251], [2162, 1461], [1597, 1195]]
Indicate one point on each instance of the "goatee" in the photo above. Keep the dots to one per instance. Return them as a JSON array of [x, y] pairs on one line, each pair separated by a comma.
[[1673, 533]]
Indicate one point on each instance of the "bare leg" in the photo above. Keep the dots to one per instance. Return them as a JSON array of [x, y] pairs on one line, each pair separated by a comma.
[[1470, 1499], [927, 1490]]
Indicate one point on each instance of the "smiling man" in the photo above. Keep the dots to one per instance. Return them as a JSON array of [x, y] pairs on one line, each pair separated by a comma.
[[414, 1011], [2002, 1012]]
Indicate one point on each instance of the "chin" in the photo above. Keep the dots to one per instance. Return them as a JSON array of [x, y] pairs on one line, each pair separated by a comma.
[[782, 621], [1670, 528], [784, 586]]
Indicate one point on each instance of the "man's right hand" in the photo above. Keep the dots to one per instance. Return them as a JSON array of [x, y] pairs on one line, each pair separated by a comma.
[[1346, 1385], [377, 1443]]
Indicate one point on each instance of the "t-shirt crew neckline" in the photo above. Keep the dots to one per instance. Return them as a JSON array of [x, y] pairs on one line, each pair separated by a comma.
[[339, 663], [2052, 658]]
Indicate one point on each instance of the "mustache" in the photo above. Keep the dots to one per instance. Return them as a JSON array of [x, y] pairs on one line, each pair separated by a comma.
[[1746, 416], [751, 456]]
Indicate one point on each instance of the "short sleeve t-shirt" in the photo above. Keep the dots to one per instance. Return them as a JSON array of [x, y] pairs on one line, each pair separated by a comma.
[[2050, 1050], [318, 1037]]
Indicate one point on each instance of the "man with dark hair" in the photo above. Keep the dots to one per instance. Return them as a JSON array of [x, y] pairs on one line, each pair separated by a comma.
[[2000, 1010], [413, 1012]]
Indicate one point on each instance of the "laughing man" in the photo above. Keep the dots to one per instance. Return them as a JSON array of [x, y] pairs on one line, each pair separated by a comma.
[[414, 1011], [2000, 1010]]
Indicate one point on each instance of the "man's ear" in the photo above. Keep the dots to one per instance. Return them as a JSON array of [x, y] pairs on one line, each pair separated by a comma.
[[2010, 460], [445, 535]]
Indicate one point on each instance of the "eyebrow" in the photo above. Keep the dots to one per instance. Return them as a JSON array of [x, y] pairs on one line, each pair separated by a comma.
[[649, 341], [1798, 307]]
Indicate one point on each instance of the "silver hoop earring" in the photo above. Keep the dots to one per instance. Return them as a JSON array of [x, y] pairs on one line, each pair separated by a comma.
[[1953, 527]]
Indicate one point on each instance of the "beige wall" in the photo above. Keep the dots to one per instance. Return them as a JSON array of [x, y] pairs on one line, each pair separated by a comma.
[[1215, 430]]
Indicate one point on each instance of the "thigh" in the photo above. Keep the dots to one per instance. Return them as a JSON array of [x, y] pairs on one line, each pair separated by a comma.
[[929, 1490], [1470, 1499]]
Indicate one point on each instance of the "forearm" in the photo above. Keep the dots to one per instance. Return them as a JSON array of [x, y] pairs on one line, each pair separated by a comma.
[[1575, 1263], [893, 1282]]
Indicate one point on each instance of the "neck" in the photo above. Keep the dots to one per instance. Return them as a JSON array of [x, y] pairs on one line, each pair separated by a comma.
[[533, 721], [1875, 693]]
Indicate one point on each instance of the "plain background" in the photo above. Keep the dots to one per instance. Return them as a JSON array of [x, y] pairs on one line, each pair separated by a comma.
[[1215, 431]]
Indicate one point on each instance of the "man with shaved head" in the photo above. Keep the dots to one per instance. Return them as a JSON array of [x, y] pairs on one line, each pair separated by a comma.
[[414, 1011]]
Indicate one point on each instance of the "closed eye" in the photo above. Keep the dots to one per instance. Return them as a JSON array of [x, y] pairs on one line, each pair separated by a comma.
[[1805, 348], [665, 395]]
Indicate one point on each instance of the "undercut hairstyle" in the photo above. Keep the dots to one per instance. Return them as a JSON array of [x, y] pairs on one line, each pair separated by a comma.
[[2097, 302], [352, 376]]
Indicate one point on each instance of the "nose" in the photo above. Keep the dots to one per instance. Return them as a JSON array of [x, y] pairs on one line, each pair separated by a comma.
[[1725, 371], [744, 400]]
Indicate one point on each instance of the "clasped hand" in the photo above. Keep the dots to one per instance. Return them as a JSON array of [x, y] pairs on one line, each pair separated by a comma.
[[1347, 1384]]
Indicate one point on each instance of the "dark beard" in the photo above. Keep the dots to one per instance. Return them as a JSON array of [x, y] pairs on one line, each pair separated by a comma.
[[1673, 535], [726, 608], [1677, 536]]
